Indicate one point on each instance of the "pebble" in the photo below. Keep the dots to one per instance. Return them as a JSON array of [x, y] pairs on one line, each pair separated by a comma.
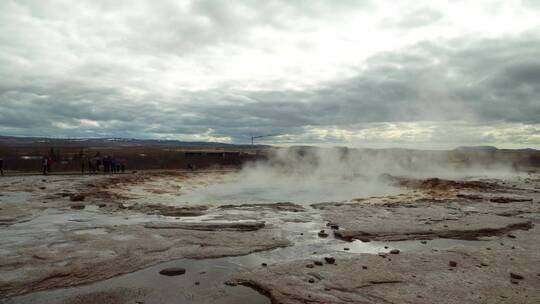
[[323, 234], [173, 271], [394, 251], [318, 263], [346, 249], [452, 263], [264, 264], [330, 260], [77, 206], [77, 198], [516, 276]]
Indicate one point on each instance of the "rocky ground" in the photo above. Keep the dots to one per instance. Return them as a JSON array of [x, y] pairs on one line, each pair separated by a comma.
[[61, 231], [504, 270]]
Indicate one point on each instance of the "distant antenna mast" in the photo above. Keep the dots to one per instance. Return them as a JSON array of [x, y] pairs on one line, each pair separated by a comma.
[[261, 136]]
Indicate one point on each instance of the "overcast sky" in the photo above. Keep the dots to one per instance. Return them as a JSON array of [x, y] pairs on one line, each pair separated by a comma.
[[419, 73]]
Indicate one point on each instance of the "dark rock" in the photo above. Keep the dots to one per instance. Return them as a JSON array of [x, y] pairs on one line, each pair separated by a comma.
[[511, 236], [77, 206], [452, 264], [318, 263], [197, 283], [323, 234], [77, 198], [173, 271], [310, 266], [311, 280], [364, 267], [394, 251], [330, 260], [346, 249], [516, 276], [264, 264], [423, 242]]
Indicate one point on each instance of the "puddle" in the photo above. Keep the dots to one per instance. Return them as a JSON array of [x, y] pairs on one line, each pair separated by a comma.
[[210, 275], [93, 231]]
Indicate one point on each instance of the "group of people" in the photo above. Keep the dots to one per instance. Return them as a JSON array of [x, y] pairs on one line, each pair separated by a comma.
[[106, 164]]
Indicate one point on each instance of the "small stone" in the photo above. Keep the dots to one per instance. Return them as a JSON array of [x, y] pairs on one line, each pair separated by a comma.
[[330, 260], [76, 198], [516, 276], [77, 206], [310, 266], [511, 236], [423, 242], [318, 263], [364, 267], [311, 280], [334, 226], [346, 249], [323, 234], [173, 271], [264, 264], [197, 283], [394, 251], [385, 247], [452, 264]]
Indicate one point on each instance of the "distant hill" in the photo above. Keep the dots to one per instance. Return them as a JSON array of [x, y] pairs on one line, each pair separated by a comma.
[[490, 149], [477, 148], [116, 142]]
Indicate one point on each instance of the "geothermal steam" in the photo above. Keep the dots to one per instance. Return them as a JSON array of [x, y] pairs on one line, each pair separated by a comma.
[[312, 175]]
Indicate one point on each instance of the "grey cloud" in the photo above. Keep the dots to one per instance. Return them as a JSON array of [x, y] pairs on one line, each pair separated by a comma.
[[472, 79], [397, 87]]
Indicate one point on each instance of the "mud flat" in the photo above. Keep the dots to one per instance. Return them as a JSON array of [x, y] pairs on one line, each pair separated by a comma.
[[438, 241]]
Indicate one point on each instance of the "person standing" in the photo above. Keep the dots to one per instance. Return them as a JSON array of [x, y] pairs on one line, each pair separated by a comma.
[[1, 166], [49, 164], [44, 163], [83, 165], [123, 164]]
